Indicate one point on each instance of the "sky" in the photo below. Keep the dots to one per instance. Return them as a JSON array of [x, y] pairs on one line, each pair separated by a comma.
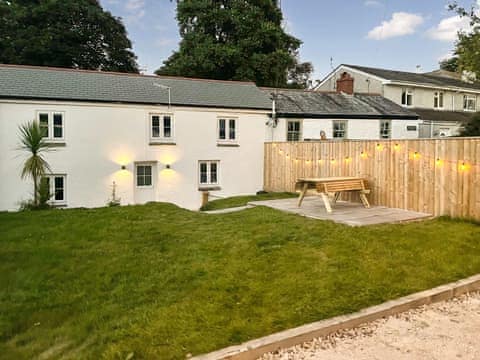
[[391, 34]]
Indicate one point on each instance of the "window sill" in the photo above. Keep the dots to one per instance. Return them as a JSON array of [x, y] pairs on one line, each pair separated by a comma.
[[209, 188], [51, 143], [228, 144], [160, 143]]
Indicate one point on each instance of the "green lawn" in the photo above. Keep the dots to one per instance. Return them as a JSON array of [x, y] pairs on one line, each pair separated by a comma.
[[237, 201], [156, 281]]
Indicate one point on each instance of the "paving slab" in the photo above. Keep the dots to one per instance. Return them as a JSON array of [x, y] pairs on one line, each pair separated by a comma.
[[352, 214]]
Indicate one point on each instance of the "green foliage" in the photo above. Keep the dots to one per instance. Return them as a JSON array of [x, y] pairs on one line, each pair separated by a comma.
[[64, 33], [450, 64], [161, 282], [236, 40], [35, 166], [237, 201], [472, 128], [467, 46]]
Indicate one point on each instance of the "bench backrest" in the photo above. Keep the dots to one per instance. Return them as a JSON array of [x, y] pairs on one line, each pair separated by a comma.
[[343, 185]]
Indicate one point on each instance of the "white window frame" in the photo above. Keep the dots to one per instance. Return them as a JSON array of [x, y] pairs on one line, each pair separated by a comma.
[[300, 128], [469, 98], [161, 138], [51, 181], [408, 93], [209, 169], [438, 100], [345, 131], [152, 168], [381, 133], [227, 120], [51, 127]]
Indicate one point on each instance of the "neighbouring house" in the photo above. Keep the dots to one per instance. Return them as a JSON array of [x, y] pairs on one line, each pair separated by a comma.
[[443, 100], [313, 115], [157, 138]]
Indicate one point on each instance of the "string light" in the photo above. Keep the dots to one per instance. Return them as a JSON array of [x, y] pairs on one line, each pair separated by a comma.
[[333, 161], [416, 155], [379, 147], [396, 147], [438, 162], [348, 159], [363, 155]]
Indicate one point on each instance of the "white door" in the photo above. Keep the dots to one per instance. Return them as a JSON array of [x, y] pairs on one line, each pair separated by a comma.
[[145, 182]]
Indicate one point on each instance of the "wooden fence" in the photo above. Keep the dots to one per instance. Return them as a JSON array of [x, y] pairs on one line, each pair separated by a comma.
[[439, 177]]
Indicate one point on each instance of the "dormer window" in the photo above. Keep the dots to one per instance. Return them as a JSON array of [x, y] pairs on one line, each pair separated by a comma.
[[407, 97], [438, 100]]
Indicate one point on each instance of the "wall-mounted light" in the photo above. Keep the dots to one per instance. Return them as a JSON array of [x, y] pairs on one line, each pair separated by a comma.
[[167, 166], [123, 167]]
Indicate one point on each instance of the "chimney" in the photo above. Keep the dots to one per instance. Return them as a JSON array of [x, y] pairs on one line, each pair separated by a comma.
[[345, 84]]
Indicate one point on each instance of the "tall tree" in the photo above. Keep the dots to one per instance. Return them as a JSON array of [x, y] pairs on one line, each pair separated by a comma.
[[65, 33], [472, 127], [235, 40], [450, 64], [467, 46]]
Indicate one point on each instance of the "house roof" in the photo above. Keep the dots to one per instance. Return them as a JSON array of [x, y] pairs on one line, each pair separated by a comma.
[[31, 82], [409, 77], [442, 115], [316, 104]]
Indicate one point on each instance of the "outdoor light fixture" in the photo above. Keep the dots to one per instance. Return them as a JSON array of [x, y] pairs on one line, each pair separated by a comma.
[[123, 167], [167, 166]]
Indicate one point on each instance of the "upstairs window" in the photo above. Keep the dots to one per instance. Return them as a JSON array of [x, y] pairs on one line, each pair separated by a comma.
[[385, 129], [438, 100], [51, 124], [161, 127], [227, 130], [294, 130], [407, 97], [339, 129], [208, 172], [469, 102]]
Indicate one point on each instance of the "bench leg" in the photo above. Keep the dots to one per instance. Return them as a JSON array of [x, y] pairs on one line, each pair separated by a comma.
[[326, 202], [302, 194], [335, 197], [364, 199]]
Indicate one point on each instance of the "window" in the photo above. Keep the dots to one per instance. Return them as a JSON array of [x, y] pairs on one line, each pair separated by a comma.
[[144, 175], [411, 127], [438, 100], [469, 102], [407, 97], [51, 124], [227, 130], [294, 132], [208, 172], [161, 126], [385, 129], [56, 184], [340, 129]]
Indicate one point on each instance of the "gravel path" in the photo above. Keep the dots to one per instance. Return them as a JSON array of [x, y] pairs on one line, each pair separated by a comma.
[[446, 330]]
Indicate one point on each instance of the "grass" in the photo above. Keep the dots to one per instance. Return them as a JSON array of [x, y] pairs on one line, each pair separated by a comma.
[[237, 201], [156, 281]]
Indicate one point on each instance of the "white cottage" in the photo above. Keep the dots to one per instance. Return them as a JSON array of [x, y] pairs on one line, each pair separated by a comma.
[[157, 138]]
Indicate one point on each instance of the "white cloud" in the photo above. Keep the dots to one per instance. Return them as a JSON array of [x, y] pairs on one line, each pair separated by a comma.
[[134, 4], [161, 42], [400, 24], [448, 28], [374, 3], [135, 11]]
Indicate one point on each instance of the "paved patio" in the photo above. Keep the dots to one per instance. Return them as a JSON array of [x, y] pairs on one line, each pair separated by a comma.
[[352, 214]]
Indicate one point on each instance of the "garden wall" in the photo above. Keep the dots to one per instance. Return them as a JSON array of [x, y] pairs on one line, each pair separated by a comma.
[[436, 176]]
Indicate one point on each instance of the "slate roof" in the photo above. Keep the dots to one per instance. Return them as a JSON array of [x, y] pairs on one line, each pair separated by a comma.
[[426, 79], [316, 104], [443, 115], [29, 82]]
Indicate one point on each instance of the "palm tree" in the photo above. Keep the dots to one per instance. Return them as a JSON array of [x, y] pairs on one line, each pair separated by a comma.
[[35, 167]]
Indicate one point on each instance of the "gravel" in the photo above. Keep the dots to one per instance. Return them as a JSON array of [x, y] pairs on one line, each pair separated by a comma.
[[445, 330]]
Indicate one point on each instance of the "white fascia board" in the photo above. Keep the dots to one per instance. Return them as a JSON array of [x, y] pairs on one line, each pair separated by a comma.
[[344, 67], [427, 86]]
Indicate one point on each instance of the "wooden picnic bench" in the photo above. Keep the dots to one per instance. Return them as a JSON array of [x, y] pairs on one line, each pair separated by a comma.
[[331, 188]]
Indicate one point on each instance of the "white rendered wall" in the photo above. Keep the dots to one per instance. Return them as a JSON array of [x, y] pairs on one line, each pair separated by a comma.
[[101, 138]]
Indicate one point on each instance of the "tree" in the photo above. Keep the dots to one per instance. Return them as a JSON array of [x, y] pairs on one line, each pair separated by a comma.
[[450, 64], [235, 40], [467, 46], [64, 33], [35, 167], [472, 127]]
